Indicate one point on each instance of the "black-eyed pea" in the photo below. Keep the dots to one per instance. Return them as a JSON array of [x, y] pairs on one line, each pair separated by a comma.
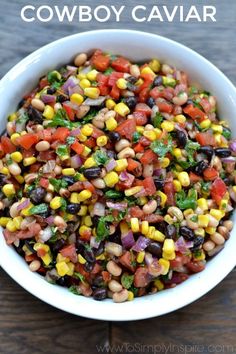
[[150, 207], [175, 212], [98, 183], [228, 224], [80, 59], [114, 269], [208, 245], [125, 153], [217, 238], [191, 221], [38, 104], [34, 265], [14, 211], [114, 286], [122, 144], [113, 248], [135, 71], [224, 232], [42, 146], [121, 296]]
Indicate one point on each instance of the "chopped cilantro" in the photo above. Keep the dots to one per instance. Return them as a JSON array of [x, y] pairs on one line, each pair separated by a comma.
[[136, 136], [205, 186], [74, 290], [194, 218], [63, 204], [103, 228], [78, 276], [157, 120], [58, 183], [226, 133], [190, 148], [38, 209], [188, 201], [62, 151], [162, 147], [113, 194], [100, 157], [108, 71], [193, 90], [53, 76], [127, 280], [70, 140], [61, 119]]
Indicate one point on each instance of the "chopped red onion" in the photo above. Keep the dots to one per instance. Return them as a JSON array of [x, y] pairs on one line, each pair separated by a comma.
[[76, 161], [141, 243], [75, 89], [148, 258], [49, 166], [127, 240], [99, 209], [72, 68], [23, 205], [48, 98], [232, 195], [46, 234], [182, 246], [154, 269], [110, 165], [50, 220], [123, 176], [117, 206], [72, 81], [75, 132], [86, 69], [95, 102], [141, 193], [94, 243], [233, 145]]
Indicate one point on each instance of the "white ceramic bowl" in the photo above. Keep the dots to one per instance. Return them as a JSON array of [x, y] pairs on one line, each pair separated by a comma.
[[137, 46]]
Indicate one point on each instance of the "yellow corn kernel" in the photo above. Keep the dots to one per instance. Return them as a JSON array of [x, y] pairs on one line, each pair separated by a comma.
[[17, 156], [163, 197], [111, 179], [17, 221], [121, 84], [101, 257], [56, 203], [177, 185], [48, 112], [150, 134], [110, 104], [4, 171], [102, 140], [86, 151], [90, 209], [180, 118], [47, 259], [139, 82], [217, 128], [88, 220], [202, 203], [177, 153], [92, 75], [144, 227], [83, 210], [121, 165], [168, 126], [84, 230], [27, 251], [217, 214], [4, 220], [223, 204], [159, 285], [158, 132], [68, 171], [210, 230], [200, 232], [142, 200], [87, 130], [130, 296], [151, 232], [184, 179], [203, 220], [20, 179], [140, 256], [29, 161], [205, 124], [169, 246], [85, 83], [158, 236], [81, 259], [26, 211], [8, 189], [165, 265], [168, 256], [165, 161], [60, 258], [200, 256], [74, 198], [12, 117], [122, 109], [148, 70], [155, 65], [82, 138], [168, 219], [77, 98], [71, 270], [134, 224], [90, 162], [14, 138], [133, 190], [84, 195], [81, 76], [140, 129], [168, 81], [188, 212], [11, 226], [124, 228], [92, 92], [111, 124], [41, 246], [62, 268]]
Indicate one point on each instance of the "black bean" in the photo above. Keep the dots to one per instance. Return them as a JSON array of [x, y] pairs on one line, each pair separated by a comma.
[[197, 242], [155, 248], [100, 294], [29, 246], [114, 136], [19, 248], [58, 245], [181, 138], [116, 237], [157, 81], [162, 226], [69, 180], [223, 152], [64, 281], [98, 281], [227, 181], [132, 79], [88, 267], [21, 103], [73, 208], [99, 250], [111, 154], [38, 195], [131, 102], [159, 183], [3, 179], [80, 245], [207, 150], [51, 90], [95, 220], [89, 255], [92, 172], [170, 231], [187, 233], [151, 102], [35, 115], [200, 167], [62, 98]]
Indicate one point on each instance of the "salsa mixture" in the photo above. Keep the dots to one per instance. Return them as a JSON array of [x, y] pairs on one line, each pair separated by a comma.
[[117, 179]]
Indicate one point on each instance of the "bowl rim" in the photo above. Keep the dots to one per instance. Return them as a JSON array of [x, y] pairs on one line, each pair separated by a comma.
[[122, 311]]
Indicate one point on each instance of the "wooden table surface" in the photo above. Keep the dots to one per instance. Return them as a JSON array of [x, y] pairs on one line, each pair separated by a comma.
[[27, 325]]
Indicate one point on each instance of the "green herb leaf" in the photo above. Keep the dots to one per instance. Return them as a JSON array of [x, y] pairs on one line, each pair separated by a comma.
[[194, 218], [226, 133], [157, 120], [58, 183], [205, 186], [70, 140], [78, 276], [193, 90], [190, 148], [184, 201], [127, 280], [74, 290], [61, 120], [62, 151], [91, 114], [100, 157], [102, 228], [108, 71], [162, 147], [53, 76], [38, 209], [113, 194], [22, 120], [63, 204], [136, 136]]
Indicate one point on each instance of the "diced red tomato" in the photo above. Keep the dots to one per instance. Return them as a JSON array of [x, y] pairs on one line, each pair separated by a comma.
[[149, 185], [89, 186], [194, 178], [44, 182], [80, 269], [35, 167], [96, 132], [121, 64], [28, 140], [153, 218], [169, 190], [69, 111], [218, 190], [46, 155], [165, 107], [70, 252], [45, 134], [126, 261], [141, 277], [194, 112], [148, 157], [61, 134], [179, 261], [127, 128], [205, 105], [196, 267], [101, 62], [155, 93], [115, 92], [143, 95], [143, 108], [43, 83], [90, 142], [206, 139], [106, 276], [136, 212], [113, 77], [138, 148], [140, 118], [95, 55], [6, 145], [144, 141], [102, 84], [210, 174], [77, 147], [132, 164]]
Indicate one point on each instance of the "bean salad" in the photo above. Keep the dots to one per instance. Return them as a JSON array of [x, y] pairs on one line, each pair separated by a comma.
[[117, 179]]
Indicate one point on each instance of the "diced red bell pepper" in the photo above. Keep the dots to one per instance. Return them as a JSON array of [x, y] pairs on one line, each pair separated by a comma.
[[61, 134], [69, 111], [149, 157], [77, 147], [206, 139], [169, 190], [132, 164], [121, 64], [140, 118], [115, 92], [194, 112], [126, 261], [210, 174], [103, 84], [6, 145], [28, 140], [165, 107], [155, 93], [143, 95], [127, 128], [44, 182], [194, 178], [70, 252], [101, 62], [143, 108], [218, 190]]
